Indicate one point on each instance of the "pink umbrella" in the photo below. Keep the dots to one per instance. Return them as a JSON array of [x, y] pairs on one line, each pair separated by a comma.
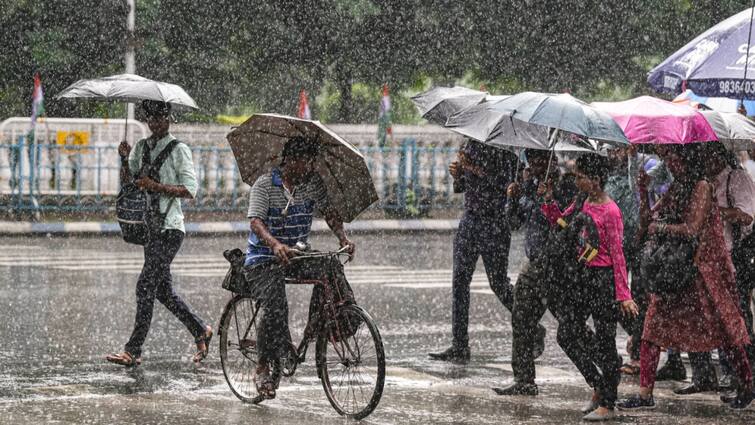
[[647, 119]]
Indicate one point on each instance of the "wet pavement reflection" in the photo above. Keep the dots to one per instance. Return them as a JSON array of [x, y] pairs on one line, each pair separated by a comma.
[[66, 302]]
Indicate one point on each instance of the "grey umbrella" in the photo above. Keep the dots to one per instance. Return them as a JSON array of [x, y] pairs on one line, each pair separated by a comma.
[[439, 103], [515, 121], [734, 130], [257, 145], [128, 88]]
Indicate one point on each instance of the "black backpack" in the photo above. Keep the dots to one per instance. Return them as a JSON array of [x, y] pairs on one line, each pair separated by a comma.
[[138, 211]]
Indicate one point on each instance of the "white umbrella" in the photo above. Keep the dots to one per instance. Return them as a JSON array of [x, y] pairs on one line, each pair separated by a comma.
[[257, 145], [734, 130], [128, 88]]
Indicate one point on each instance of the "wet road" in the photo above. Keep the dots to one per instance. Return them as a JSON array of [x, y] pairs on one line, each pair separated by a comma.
[[66, 302]]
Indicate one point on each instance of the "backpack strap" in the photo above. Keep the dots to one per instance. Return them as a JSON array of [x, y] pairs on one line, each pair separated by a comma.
[[150, 169]]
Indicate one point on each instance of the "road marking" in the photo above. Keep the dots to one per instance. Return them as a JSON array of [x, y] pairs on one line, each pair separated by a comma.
[[214, 266]]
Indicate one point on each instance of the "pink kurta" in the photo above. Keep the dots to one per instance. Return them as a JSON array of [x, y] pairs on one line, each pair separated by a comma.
[[607, 218]]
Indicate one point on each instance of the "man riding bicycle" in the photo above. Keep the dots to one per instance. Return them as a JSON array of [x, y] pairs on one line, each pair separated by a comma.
[[281, 207]]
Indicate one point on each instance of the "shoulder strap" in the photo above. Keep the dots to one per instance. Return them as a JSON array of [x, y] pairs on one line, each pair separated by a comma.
[[162, 156], [154, 168]]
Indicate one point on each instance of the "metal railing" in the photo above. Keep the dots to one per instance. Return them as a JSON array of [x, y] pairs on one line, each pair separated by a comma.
[[410, 180]]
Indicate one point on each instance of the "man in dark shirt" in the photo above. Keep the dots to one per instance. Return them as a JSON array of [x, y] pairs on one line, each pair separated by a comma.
[[482, 173], [529, 292]]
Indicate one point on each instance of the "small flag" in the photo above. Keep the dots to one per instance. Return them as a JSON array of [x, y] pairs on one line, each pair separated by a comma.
[[303, 110], [384, 119], [37, 102]]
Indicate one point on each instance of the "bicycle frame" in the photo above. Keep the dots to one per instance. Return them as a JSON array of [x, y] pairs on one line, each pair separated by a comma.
[[327, 313]]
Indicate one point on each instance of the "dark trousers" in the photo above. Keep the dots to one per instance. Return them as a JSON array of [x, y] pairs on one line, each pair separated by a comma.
[[593, 353], [155, 282], [267, 285], [483, 234], [634, 326], [529, 308]]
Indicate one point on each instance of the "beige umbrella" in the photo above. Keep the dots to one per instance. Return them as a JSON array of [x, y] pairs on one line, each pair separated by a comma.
[[257, 145]]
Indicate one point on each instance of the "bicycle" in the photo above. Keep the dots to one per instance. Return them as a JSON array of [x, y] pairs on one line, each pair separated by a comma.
[[350, 358]]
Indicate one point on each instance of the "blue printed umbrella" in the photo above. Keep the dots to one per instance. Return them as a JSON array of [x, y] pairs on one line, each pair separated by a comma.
[[718, 63]]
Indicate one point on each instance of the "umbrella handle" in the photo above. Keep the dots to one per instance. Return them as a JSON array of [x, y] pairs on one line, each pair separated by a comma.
[[552, 144], [125, 130]]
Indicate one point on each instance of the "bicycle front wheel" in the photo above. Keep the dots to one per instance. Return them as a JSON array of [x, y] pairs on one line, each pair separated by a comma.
[[238, 346], [351, 362]]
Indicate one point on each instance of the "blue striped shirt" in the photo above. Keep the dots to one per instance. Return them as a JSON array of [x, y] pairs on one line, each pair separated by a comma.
[[268, 199]]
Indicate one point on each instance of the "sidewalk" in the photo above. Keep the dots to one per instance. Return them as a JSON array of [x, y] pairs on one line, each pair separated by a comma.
[[16, 228]]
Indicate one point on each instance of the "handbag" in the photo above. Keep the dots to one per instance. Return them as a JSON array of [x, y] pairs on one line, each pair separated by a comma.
[[138, 211], [668, 264]]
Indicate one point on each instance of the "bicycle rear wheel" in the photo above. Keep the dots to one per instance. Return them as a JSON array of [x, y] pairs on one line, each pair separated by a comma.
[[351, 362], [238, 346]]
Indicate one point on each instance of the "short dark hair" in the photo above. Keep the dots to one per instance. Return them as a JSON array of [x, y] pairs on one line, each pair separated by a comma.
[[299, 147], [594, 166], [531, 154], [155, 108]]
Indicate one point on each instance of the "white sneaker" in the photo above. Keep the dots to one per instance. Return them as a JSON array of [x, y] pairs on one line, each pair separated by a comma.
[[594, 416], [590, 406]]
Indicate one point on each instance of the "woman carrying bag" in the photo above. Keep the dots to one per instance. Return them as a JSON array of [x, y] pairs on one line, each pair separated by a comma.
[[704, 315]]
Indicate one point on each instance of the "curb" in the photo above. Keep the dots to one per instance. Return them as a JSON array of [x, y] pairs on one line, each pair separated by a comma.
[[15, 228]]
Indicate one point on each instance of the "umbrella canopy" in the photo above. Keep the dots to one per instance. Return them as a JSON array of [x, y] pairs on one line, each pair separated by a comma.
[[257, 145], [525, 120], [647, 119], [722, 104], [713, 64], [735, 131], [439, 103], [129, 88]]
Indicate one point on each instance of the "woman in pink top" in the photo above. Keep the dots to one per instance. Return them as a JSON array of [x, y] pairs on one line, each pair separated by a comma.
[[599, 291]]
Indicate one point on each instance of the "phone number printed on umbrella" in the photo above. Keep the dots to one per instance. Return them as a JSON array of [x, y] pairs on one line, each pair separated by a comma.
[[736, 87]]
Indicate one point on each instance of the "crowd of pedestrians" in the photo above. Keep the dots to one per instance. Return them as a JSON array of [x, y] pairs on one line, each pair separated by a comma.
[[628, 208]]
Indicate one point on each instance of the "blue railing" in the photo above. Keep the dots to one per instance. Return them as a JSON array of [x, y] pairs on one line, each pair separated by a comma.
[[411, 180]]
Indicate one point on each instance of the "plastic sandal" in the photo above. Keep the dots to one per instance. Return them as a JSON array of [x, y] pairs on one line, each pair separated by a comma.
[[202, 354], [124, 359]]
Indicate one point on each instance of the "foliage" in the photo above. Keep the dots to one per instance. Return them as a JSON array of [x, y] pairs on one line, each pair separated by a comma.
[[239, 56]]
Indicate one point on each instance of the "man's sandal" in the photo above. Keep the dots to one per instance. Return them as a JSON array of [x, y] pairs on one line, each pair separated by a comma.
[[201, 353], [124, 359], [265, 384]]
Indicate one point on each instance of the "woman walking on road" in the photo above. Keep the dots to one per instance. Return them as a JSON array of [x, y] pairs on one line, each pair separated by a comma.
[[599, 291], [174, 179], [706, 315]]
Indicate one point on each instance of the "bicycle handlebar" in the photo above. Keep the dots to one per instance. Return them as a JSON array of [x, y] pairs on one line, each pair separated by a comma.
[[313, 254]]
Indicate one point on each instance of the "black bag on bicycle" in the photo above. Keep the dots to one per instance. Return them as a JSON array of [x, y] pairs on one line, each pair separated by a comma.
[[138, 211], [234, 280]]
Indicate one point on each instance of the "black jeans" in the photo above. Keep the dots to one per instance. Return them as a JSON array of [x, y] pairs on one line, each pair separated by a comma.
[[485, 234], [529, 308], [155, 282], [267, 284], [592, 293]]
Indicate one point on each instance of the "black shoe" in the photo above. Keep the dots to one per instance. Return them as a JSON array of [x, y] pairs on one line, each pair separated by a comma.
[[518, 389], [537, 351], [728, 397], [741, 400], [673, 370], [726, 382], [636, 403], [453, 355], [694, 389]]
